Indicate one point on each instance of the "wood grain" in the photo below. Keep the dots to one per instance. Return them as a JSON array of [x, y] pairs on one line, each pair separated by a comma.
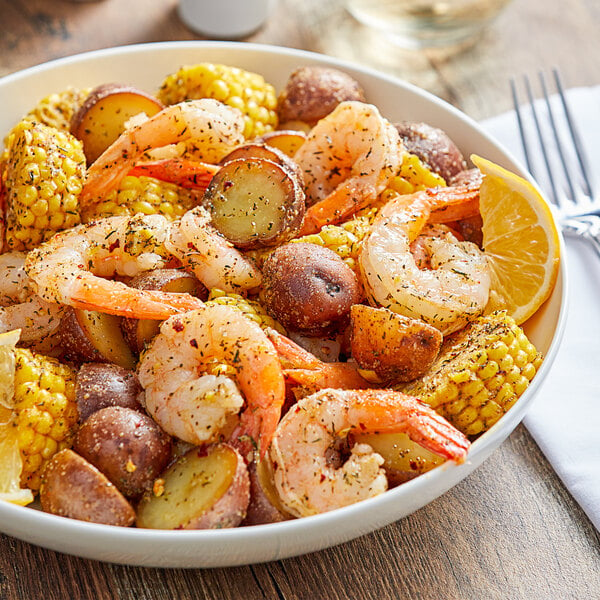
[[510, 530]]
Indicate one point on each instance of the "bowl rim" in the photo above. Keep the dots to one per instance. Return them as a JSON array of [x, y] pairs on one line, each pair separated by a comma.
[[485, 444]]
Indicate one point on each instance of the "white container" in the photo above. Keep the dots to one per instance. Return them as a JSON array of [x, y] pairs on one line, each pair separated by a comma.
[[225, 19]]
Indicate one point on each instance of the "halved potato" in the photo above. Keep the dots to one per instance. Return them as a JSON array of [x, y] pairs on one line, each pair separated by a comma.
[[139, 332], [206, 488], [288, 140], [90, 336], [255, 203], [101, 118], [403, 458], [396, 347], [265, 506], [72, 487]]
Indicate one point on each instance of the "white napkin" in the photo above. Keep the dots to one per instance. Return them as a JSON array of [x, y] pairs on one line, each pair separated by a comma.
[[565, 418]]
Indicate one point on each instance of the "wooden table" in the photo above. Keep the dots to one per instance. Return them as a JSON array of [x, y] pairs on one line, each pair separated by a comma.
[[510, 530]]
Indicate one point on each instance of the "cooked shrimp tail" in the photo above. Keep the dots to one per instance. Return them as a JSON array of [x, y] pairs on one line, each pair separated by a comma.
[[303, 368], [189, 174], [115, 298]]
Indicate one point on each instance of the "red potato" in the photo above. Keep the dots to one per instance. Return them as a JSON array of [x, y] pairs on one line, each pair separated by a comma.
[[101, 118], [312, 92], [265, 506], [72, 487], [396, 347], [263, 150], [206, 488], [309, 288], [255, 202], [100, 385], [433, 147], [89, 336], [125, 445], [139, 332]]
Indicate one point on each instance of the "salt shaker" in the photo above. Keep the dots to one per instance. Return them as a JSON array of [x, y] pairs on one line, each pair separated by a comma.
[[225, 19]]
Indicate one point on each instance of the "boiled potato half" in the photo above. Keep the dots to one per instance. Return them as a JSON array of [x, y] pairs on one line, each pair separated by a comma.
[[102, 117], [90, 336], [206, 488], [255, 202], [403, 458]]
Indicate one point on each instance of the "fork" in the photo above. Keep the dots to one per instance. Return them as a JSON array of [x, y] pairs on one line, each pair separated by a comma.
[[575, 203]]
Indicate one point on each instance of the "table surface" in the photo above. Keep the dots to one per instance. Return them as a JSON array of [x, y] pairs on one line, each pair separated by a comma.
[[511, 529]]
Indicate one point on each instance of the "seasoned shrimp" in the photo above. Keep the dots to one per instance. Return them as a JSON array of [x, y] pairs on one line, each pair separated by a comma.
[[21, 308], [305, 369], [212, 258], [195, 406], [347, 160], [307, 478], [456, 287], [210, 124], [69, 268]]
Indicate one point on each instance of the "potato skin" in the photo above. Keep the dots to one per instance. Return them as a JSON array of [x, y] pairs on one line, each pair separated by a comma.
[[125, 445], [286, 140], [100, 385], [312, 92], [72, 487], [309, 288], [433, 147], [396, 347], [263, 150]]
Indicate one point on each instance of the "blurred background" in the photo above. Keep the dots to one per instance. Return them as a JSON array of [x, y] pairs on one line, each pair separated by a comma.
[[527, 36]]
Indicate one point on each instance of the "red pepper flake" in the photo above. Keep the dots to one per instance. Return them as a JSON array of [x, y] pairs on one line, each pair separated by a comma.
[[178, 326], [194, 343]]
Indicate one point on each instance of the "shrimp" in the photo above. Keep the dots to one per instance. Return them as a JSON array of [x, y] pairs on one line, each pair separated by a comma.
[[69, 268], [21, 309], [195, 406], [454, 290], [210, 124], [305, 369], [211, 257], [304, 445], [347, 159]]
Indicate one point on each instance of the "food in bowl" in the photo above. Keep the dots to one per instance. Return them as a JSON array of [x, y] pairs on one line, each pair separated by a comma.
[[259, 391]]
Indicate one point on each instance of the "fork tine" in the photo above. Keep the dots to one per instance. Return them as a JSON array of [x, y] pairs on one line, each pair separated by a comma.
[[557, 198], [574, 134], [517, 106], [559, 145]]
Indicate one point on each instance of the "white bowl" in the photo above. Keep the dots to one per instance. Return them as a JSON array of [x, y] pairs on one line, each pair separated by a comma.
[[146, 66]]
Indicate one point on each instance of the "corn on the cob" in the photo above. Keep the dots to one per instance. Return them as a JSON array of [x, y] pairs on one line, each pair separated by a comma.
[[243, 90], [57, 109], [142, 195], [44, 411], [479, 374], [252, 309], [44, 175]]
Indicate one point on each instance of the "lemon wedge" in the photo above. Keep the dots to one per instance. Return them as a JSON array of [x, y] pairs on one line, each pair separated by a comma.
[[520, 241], [10, 457]]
